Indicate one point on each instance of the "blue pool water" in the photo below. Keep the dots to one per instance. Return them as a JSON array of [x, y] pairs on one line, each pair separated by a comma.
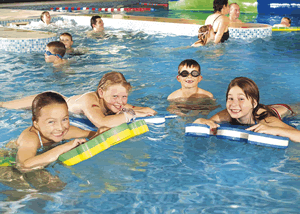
[[161, 171]]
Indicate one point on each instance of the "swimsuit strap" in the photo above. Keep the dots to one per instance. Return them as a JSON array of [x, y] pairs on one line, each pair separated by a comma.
[[215, 20], [278, 115], [40, 140]]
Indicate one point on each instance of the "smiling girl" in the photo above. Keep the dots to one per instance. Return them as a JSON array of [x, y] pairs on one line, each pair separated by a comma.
[[50, 125], [243, 107], [107, 106]]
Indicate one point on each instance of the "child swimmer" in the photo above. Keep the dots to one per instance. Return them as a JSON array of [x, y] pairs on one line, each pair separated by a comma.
[[107, 106], [50, 118], [243, 107], [190, 98], [55, 52]]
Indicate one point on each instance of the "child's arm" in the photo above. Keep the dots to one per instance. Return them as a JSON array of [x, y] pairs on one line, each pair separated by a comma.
[[75, 132], [95, 115], [221, 116], [290, 132], [23, 103], [27, 160], [141, 111]]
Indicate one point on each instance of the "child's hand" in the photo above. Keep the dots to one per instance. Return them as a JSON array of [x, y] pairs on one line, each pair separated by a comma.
[[101, 130], [262, 128], [145, 112], [76, 142], [208, 122]]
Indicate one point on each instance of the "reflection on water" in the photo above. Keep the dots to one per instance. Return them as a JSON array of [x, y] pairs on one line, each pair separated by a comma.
[[192, 106]]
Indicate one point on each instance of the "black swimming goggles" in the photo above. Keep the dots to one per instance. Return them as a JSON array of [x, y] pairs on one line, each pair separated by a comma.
[[194, 73]]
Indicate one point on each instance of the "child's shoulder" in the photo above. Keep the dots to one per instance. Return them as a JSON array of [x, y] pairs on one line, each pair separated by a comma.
[[204, 92], [28, 136], [175, 95]]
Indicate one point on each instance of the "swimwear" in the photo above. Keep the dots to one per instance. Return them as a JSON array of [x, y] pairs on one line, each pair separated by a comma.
[[277, 113], [225, 34], [42, 147]]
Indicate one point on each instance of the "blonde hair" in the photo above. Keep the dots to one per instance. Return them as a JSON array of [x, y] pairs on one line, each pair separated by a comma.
[[113, 78], [203, 34]]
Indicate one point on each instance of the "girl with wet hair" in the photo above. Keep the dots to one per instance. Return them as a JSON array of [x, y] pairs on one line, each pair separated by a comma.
[[243, 107], [50, 125], [205, 35]]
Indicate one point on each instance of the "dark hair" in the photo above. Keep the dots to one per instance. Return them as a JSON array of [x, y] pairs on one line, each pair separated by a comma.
[[45, 99], [42, 15], [94, 20], [189, 63], [67, 34], [290, 21], [251, 91], [113, 78], [203, 34], [219, 4], [58, 47]]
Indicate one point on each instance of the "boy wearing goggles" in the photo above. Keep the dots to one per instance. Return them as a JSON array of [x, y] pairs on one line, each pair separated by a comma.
[[54, 53], [189, 75]]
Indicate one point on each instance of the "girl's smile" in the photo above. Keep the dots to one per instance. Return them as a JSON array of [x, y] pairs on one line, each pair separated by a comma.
[[53, 122], [239, 106]]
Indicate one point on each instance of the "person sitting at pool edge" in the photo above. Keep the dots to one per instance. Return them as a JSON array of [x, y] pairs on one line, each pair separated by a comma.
[[234, 13], [45, 17], [219, 21], [97, 26], [54, 53], [67, 39], [285, 22], [205, 35], [189, 75]]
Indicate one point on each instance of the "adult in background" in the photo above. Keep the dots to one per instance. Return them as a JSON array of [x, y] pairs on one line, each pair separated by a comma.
[[234, 13], [219, 21]]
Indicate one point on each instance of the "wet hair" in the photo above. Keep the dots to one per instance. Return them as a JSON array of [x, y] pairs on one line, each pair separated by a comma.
[[58, 47], [289, 20], [45, 99], [251, 91], [42, 15], [189, 63], [94, 20], [113, 78], [219, 4], [203, 34], [66, 34]]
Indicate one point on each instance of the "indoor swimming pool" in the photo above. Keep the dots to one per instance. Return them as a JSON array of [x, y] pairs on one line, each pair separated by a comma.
[[161, 171]]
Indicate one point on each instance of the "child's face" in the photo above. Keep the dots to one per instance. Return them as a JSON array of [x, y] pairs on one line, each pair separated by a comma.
[[50, 58], [285, 22], [53, 122], [99, 26], [115, 97], [66, 40], [238, 106], [189, 81], [47, 18]]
